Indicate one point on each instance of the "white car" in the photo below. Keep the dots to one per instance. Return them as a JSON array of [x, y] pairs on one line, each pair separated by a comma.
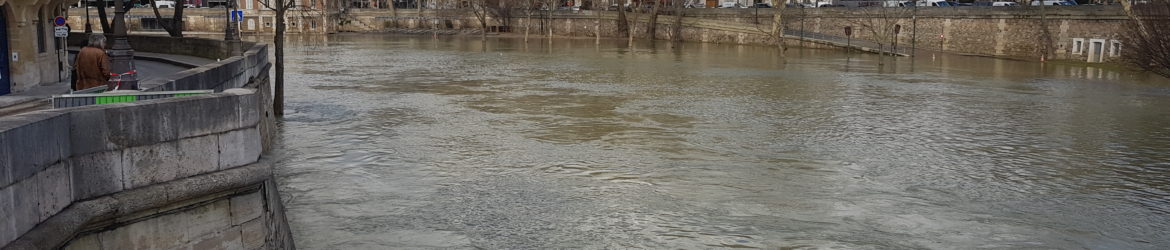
[[1004, 4], [1053, 2], [729, 5], [165, 4]]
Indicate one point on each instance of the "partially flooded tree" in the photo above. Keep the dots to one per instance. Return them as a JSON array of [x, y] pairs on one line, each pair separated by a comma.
[[281, 8], [778, 26], [596, 8], [634, 6], [502, 10], [1045, 40], [529, 5], [881, 24], [1148, 36], [652, 23], [480, 9], [623, 25], [775, 28], [676, 27]]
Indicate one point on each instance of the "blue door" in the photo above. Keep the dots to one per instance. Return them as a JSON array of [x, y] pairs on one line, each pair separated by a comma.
[[5, 84]]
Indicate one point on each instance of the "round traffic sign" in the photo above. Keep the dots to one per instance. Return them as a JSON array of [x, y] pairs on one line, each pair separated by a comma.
[[59, 21]]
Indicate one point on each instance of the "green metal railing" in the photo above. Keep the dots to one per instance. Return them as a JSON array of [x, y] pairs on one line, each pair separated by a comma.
[[75, 100]]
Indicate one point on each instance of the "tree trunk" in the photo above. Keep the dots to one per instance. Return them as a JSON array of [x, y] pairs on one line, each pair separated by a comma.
[[633, 26], [652, 24], [278, 41], [550, 20], [623, 26], [177, 19], [596, 23], [104, 18], [169, 27], [527, 20], [778, 27], [676, 30]]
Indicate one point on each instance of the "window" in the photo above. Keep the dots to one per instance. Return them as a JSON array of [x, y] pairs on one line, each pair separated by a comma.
[[1078, 46], [1114, 48], [41, 22]]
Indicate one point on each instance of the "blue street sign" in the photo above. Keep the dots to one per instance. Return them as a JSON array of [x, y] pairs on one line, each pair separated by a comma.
[[237, 15], [59, 21]]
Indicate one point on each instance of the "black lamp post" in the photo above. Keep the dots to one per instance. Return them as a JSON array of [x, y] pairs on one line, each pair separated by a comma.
[[230, 33], [88, 26], [121, 54]]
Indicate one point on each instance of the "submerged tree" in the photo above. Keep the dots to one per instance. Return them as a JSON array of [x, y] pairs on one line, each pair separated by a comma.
[[480, 9], [1148, 36], [882, 24], [281, 8]]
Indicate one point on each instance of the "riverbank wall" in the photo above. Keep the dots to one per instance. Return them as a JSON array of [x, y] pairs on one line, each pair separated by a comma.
[[1080, 33], [182, 172]]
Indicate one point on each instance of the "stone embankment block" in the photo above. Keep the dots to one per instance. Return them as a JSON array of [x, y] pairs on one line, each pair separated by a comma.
[[97, 174]]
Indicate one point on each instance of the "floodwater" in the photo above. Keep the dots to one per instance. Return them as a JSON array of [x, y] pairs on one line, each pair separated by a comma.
[[414, 142]]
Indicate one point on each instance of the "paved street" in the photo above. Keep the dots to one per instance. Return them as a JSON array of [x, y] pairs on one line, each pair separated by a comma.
[[28, 100]]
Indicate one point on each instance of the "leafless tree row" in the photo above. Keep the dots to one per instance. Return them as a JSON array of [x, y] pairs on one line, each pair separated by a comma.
[[1148, 35]]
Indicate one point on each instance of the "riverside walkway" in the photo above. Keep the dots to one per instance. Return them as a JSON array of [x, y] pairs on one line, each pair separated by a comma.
[[149, 66]]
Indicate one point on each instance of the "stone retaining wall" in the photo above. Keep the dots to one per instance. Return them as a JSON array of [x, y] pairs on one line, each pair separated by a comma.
[[238, 61], [1012, 32], [63, 171]]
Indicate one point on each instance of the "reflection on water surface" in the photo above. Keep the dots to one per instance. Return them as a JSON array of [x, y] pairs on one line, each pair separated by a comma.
[[393, 142]]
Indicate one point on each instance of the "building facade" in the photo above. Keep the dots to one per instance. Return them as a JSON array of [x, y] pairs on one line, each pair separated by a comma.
[[33, 55]]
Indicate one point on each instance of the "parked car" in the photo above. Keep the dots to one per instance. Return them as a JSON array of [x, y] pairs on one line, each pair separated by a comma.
[[1004, 4], [729, 5], [1053, 2], [165, 4], [762, 5]]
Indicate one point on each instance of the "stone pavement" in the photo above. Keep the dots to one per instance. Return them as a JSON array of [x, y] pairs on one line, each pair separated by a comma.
[[149, 66]]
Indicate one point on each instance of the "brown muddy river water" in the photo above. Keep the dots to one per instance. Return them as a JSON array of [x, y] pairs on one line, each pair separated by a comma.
[[414, 142]]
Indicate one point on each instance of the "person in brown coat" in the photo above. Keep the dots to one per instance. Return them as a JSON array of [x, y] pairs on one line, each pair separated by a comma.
[[92, 64]]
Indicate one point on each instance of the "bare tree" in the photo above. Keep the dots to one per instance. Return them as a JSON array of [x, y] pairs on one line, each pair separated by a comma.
[[1148, 36], [596, 21], [1045, 35], [502, 10], [775, 28], [676, 28], [281, 8], [778, 26], [550, 7], [881, 23], [634, 7], [652, 23], [623, 25], [528, 6], [174, 28], [480, 9]]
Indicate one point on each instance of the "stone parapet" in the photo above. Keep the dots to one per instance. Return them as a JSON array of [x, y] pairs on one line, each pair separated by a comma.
[[65, 170]]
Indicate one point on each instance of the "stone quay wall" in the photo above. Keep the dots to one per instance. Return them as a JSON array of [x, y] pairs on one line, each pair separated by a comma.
[[183, 172], [1010, 32], [233, 70]]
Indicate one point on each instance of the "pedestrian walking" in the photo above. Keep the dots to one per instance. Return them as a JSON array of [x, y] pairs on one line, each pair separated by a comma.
[[93, 65]]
